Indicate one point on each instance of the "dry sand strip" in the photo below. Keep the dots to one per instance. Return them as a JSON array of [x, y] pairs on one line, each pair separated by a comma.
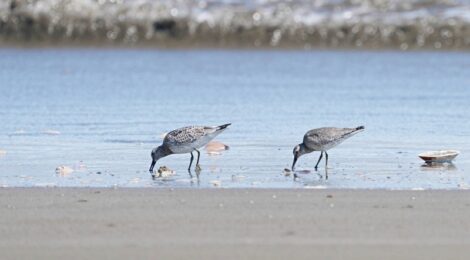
[[74, 223]]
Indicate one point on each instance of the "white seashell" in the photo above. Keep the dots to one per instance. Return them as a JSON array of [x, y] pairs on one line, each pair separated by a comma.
[[439, 156], [214, 147], [63, 170], [164, 171], [287, 172]]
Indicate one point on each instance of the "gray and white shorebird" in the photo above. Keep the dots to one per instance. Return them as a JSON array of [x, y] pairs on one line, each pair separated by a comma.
[[323, 139], [186, 140]]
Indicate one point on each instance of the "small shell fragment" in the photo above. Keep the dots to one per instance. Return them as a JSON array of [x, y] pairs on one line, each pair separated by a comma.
[[63, 170], [214, 147], [287, 172], [164, 171]]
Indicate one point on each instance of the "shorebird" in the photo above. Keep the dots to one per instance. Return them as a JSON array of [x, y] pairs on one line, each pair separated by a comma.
[[186, 140], [323, 139]]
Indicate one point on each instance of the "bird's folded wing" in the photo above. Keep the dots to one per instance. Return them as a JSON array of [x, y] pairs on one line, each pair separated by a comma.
[[324, 136], [185, 135]]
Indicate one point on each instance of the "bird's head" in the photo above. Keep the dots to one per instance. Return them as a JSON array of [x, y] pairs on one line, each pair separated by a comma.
[[157, 154], [298, 151]]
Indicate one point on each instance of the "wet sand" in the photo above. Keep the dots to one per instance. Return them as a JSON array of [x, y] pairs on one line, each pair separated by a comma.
[[82, 223]]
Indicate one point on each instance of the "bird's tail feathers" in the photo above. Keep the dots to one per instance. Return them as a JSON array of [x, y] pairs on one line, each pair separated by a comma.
[[360, 128], [221, 127], [357, 130], [353, 131]]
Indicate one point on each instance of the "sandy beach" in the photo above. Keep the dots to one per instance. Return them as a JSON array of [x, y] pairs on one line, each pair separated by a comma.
[[83, 223], [277, 129]]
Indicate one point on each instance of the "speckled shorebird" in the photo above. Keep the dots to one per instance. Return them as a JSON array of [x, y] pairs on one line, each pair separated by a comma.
[[186, 140], [323, 139]]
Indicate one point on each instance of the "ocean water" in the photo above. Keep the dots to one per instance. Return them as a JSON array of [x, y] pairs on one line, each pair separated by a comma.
[[364, 24], [101, 111]]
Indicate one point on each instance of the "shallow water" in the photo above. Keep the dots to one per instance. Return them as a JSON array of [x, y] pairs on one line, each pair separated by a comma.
[[110, 106]]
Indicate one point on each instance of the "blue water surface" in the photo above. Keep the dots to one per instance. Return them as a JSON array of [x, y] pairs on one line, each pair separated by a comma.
[[101, 111]]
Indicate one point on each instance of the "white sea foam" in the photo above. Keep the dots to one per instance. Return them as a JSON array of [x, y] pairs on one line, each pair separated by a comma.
[[300, 23]]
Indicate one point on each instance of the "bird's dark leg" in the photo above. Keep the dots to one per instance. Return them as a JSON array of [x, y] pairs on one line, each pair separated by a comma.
[[326, 166], [319, 159], [190, 163], [151, 167], [198, 168]]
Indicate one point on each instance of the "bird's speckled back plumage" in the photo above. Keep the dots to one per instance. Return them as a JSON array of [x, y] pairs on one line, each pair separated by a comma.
[[322, 139], [187, 135]]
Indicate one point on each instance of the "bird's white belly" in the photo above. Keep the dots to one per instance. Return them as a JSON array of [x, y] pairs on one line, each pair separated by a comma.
[[327, 146], [189, 147], [177, 149]]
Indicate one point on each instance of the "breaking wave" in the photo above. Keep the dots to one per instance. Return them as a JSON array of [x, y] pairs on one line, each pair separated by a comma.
[[413, 24]]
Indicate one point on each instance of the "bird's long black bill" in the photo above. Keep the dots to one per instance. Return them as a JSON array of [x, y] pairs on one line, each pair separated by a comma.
[[293, 163], [151, 166]]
